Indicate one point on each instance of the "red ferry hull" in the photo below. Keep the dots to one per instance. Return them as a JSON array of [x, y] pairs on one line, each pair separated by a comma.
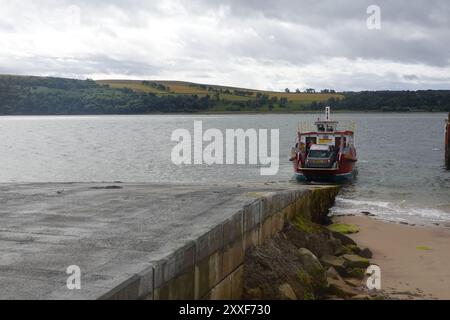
[[345, 171], [323, 175]]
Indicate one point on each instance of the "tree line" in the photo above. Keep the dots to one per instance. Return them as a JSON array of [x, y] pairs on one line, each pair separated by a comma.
[[55, 96], [44, 96], [390, 101]]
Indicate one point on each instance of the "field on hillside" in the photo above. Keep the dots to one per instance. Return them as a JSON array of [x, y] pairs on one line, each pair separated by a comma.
[[223, 93], [33, 95]]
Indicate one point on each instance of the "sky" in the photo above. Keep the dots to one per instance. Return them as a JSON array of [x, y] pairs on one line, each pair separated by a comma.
[[263, 44]]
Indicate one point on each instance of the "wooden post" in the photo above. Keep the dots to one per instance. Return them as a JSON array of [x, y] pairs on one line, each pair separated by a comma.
[[447, 144]]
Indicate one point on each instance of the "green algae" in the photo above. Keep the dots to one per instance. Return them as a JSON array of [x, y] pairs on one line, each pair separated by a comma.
[[423, 248], [305, 225], [344, 228]]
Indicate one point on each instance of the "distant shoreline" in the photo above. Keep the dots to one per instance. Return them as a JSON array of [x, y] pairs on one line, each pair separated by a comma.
[[221, 113], [29, 95]]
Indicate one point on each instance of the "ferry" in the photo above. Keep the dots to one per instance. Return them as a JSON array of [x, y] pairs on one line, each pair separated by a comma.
[[325, 152]]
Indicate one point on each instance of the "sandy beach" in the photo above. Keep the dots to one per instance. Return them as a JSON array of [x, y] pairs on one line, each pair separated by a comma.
[[414, 261]]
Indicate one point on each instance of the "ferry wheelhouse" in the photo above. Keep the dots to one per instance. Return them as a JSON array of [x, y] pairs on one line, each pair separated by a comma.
[[326, 152]]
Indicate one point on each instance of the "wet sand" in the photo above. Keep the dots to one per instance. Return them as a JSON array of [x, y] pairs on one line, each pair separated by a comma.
[[414, 261]]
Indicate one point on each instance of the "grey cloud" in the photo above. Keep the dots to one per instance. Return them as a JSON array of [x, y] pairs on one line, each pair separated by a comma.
[[344, 23], [6, 27], [269, 33], [331, 12], [410, 77], [78, 67], [390, 81]]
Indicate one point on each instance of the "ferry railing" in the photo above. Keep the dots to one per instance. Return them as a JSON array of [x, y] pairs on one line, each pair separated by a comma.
[[305, 126]]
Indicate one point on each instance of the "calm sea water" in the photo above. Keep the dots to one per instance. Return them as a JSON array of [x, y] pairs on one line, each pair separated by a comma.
[[401, 175]]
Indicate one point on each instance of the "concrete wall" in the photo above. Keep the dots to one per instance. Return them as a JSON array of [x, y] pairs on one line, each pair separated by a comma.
[[211, 267]]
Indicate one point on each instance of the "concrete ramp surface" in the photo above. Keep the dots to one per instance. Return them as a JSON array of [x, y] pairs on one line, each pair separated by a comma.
[[139, 241]]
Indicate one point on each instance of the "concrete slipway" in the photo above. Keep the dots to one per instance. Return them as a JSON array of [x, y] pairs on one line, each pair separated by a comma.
[[140, 241]]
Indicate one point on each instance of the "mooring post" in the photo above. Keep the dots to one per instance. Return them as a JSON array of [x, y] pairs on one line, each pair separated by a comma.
[[447, 144]]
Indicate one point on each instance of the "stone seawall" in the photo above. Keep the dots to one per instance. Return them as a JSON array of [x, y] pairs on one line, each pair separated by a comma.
[[212, 266]]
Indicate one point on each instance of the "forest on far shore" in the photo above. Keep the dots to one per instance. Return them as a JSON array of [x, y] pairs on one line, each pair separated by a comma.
[[26, 95]]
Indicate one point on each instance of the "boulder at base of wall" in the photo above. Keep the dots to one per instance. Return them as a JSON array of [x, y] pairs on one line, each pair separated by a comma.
[[286, 292]]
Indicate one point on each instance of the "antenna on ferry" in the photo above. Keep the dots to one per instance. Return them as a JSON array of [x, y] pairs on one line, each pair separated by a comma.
[[328, 114]]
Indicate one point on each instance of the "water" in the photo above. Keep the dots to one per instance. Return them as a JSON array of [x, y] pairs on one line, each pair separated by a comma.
[[401, 175]]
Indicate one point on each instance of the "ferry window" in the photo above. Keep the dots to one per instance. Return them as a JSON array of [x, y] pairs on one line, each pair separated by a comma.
[[319, 154], [311, 140]]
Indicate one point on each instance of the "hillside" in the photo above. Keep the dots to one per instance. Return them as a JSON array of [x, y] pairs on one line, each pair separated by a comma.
[[228, 98], [29, 95]]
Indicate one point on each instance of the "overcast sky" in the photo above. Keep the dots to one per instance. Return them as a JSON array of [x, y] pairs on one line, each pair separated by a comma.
[[260, 44]]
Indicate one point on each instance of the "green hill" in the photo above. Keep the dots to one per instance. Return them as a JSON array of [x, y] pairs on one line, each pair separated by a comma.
[[29, 95], [228, 98]]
